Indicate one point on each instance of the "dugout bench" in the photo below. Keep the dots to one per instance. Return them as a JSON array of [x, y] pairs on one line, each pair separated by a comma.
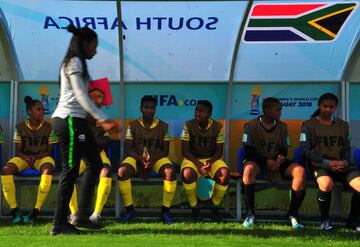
[[32, 177], [310, 182]]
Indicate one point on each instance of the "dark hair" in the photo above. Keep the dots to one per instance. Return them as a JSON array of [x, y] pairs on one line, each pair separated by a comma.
[[76, 48], [206, 103], [325, 96], [30, 102], [147, 98], [269, 103]]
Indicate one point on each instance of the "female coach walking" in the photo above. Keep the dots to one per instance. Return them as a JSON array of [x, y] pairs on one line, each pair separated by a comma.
[[70, 125]]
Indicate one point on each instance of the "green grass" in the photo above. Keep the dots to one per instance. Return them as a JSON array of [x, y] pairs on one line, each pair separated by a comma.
[[151, 197], [180, 234]]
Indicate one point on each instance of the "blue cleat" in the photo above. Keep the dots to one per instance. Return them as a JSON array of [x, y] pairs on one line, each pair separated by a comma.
[[295, 224], [16, 216], [249, 221], [27, 219], [167, 218], [127, 216]]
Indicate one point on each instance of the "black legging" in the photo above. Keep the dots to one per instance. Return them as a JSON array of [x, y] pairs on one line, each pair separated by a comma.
[[76, 142]]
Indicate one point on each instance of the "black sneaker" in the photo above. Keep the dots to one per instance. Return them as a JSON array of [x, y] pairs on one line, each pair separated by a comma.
[[27, 219], [167, 218], [127, 216], [196, 214], [326, 225], [84, 222], [353, 225], [64, 229]]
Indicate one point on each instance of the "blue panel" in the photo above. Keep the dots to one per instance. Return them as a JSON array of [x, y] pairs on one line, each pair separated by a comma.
[[354, 101], [5, 99]]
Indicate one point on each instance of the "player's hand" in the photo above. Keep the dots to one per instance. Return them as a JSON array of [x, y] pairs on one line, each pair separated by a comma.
[[280, 159], [201, 169], [148, 164], [272, 165], [337, 165], [207, 166], [108, 125]]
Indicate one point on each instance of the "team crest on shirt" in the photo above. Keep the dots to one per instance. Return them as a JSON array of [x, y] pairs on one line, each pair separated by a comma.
[[82, 137]]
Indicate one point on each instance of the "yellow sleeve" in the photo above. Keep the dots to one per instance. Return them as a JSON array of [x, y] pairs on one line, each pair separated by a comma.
[[185, 134], [17, 138], [128, 135], [52, 139], [221, 137]]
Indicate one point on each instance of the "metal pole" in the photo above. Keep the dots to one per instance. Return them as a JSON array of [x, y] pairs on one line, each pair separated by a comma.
[[122, 99]]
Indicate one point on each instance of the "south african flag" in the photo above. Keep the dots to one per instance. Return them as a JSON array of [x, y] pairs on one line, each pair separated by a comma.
[[310, 22]]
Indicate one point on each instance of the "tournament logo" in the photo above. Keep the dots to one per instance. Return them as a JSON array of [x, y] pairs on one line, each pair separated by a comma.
[[313, 22], [44, 93], [97, 96], [254, 102]]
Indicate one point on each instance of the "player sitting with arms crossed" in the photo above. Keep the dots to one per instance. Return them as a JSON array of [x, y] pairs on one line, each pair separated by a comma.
[[266, 144], [147, 148]]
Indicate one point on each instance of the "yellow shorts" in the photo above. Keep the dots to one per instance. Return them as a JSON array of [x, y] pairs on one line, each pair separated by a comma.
[[104, 159], [214, 167], [156, 167], [22, 164]]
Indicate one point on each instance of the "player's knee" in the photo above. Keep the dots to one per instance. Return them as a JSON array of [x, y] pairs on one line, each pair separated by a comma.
[[169, 173], [249, 174], [188, 175], [222, 176], [47, 169], [9, 169], [326, 184], [299, 172], [124, 172], [105, 172]]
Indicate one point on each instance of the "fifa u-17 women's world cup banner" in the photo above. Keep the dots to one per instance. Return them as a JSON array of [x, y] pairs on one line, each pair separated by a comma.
[[298, 101], [48, 94]]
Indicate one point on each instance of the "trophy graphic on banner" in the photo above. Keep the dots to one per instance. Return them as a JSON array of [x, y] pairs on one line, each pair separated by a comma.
[[44, 93], [254, 103]]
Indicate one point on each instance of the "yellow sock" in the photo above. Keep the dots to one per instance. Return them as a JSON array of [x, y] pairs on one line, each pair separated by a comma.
[[102, 194], [190, 191], [219, 193], [168, 193], [43, 191], [73, 205], [125, 192], [8, 187]]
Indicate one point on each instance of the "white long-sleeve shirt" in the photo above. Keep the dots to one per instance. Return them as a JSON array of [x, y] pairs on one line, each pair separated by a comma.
[[74, 99]]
